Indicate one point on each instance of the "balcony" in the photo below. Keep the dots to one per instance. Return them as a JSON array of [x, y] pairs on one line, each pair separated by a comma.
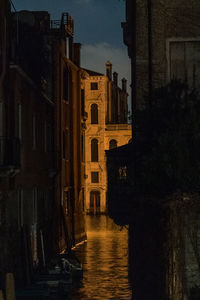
[[111, 127], [9, 156], [66, 24]]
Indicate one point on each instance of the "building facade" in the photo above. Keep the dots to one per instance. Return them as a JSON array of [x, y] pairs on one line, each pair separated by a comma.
[[106, 127], [69, 122], [163, 44], [41, 125], [26, 147]]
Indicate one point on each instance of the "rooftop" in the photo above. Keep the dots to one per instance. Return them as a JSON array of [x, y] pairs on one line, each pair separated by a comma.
[[93, 73]]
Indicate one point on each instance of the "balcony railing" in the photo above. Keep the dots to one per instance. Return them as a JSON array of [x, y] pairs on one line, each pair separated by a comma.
[[118, 127], [9, 155], [65, 23]]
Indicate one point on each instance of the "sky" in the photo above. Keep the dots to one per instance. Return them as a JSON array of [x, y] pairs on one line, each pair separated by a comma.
[[97, 26]]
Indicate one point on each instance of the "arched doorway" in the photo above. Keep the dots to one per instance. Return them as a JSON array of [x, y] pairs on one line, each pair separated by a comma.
[[95, 202]]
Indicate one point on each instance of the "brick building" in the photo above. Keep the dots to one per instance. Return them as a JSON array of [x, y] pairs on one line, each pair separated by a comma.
[[41, 186], [69, 117]]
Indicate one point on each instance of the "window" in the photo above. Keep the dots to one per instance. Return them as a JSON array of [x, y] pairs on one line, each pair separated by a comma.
[[94, 85], [112, 144], [94, 114], [95, 202], [185, 62], [94, 150], [122, 173], [94, 177]]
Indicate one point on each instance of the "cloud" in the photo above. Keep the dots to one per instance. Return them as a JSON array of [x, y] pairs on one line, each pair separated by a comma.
[[94, 57]]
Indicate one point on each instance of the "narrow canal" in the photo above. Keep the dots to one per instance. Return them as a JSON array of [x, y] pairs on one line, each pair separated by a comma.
[[105, 262]]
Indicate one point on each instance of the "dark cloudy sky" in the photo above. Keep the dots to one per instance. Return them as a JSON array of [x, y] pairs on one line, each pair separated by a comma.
[[97, 27]]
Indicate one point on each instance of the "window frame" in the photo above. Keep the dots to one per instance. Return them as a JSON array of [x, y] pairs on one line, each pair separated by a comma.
[[94, 86], [94, 151], [110, 144], [94, 114], [93, 179], [168, 51]]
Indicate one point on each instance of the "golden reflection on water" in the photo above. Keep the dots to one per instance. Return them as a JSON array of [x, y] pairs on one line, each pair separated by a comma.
[[105, 262]]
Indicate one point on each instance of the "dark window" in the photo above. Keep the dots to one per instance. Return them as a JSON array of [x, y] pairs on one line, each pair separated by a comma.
[[95, 201], [185, 62], [94, 177], [94, 85], [112, 144], [94, 114], [94, 150]]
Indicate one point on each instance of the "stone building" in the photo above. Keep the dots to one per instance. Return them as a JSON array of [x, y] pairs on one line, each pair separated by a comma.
[[106, 127]]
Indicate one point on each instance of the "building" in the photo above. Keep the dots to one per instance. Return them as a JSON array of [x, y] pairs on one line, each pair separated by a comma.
[[26, 184], [69, 123], [106, 127], [163, 43], [41, 182]]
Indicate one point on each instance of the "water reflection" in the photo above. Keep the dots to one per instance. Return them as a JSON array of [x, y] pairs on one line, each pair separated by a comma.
[[105, 262]]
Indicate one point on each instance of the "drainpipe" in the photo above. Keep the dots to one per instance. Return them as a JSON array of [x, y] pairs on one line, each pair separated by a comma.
[[149, 9]]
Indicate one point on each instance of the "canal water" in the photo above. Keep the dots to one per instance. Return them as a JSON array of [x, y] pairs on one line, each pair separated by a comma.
[[105, 262]]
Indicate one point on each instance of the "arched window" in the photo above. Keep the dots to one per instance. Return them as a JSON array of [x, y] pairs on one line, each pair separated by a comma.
[[94, 202], [112, 144], [94, 113], [94, 150]]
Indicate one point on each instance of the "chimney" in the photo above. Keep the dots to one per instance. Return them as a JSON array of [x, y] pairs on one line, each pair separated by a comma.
[[76, 54], [124, 81], [115, 78], [109, 70]]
